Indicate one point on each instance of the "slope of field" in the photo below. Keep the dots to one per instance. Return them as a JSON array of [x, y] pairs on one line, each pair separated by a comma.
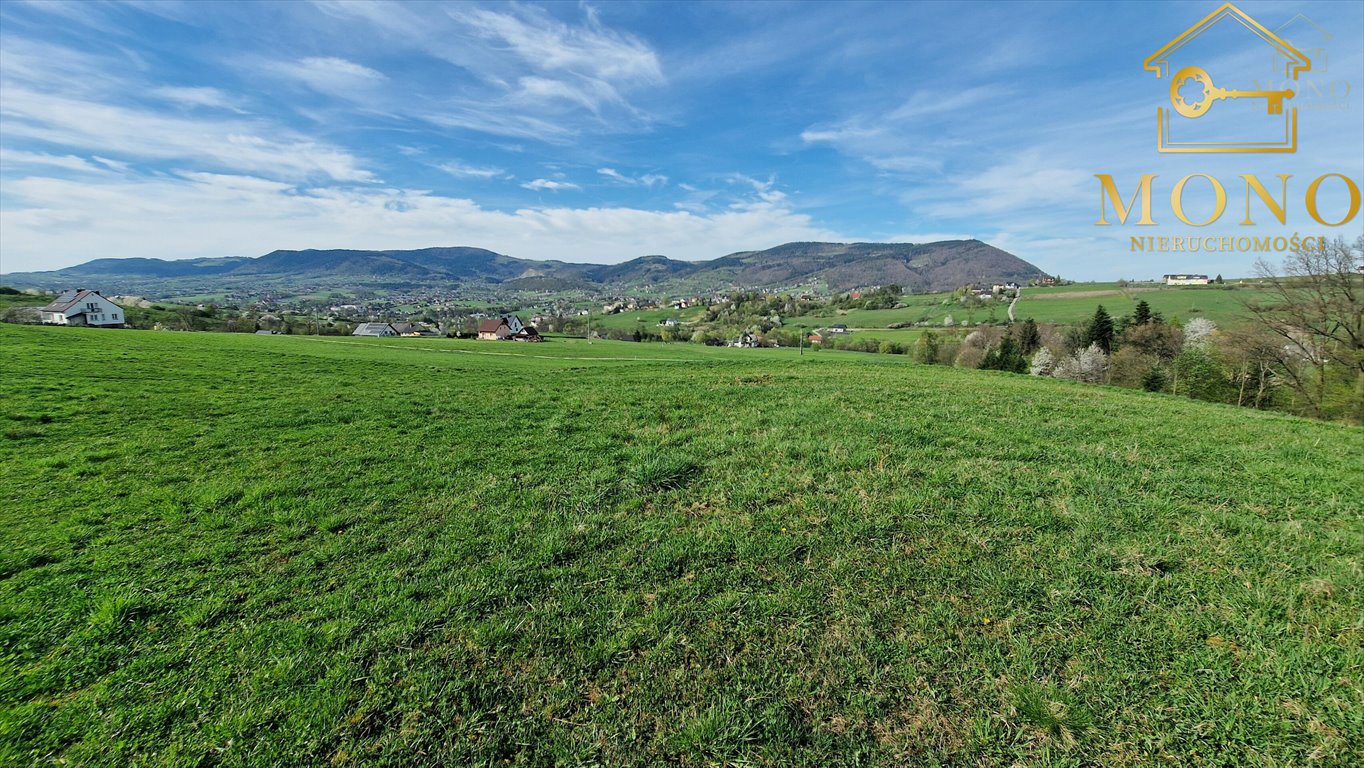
[[241, 550]]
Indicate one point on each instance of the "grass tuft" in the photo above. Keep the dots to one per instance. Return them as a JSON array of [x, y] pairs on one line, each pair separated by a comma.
[[660, 471], [1053, 714]]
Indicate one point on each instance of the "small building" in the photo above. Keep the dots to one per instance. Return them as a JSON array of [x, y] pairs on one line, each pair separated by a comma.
[[1186, 280], [528, 333], [375, 329], [670, 322], [504, 327], [83, 307], [494, 330], [839, 328]]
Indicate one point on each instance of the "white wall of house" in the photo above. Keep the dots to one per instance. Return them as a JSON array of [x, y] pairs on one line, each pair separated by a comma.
[[90, 310]]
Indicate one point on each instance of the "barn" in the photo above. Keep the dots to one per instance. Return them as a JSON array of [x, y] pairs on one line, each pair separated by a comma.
[[375, 329]]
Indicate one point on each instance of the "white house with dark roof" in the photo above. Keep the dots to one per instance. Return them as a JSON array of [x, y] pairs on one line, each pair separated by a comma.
[[83, 307]]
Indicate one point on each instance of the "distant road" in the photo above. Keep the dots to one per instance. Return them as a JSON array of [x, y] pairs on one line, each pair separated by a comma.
[[1018, 294]]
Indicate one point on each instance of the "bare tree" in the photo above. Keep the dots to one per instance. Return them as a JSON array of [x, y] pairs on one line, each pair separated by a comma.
[[1315, 309]]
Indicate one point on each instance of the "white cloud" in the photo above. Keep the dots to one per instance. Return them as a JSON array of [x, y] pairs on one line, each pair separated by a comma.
[[1027, 181], [234, 144], [646, 180], [57, 222], [333, 76], [459, 169], [881, 139], [517, 72], [553, 186], [196, 97], [9, 158]]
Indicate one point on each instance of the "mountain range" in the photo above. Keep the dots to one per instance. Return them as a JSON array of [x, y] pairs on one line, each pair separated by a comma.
[[921, 268]]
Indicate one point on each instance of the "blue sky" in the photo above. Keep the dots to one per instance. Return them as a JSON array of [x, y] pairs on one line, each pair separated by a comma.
[[601, 132]]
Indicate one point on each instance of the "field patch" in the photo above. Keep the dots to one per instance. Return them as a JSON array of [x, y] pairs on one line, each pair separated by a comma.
[[240, 550]]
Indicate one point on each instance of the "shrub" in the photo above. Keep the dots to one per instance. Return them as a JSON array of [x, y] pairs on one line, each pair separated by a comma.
[[970, 356], [1199, 331], [1154, 380], [1043, 363], [1006, 356], [1089, 365], [1128, 366], [926, 348]]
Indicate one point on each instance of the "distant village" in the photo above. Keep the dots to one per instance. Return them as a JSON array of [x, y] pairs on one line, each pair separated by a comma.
[[87, 307]]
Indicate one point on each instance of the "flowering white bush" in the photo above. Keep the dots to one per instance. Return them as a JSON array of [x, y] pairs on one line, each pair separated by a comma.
[[1199, 331], [948, 322], [1088, 365], [1042, 363]]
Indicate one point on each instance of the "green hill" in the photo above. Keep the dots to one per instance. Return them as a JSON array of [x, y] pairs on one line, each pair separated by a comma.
[[242, 550], [922, 267]]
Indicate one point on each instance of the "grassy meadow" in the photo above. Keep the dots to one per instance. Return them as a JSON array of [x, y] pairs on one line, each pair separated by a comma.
[[1064, 305], [236, 550]]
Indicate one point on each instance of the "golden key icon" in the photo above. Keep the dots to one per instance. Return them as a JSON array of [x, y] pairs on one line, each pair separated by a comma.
[[1198, 107]]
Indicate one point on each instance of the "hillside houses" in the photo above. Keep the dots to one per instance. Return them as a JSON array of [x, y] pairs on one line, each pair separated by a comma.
[[83, 307]]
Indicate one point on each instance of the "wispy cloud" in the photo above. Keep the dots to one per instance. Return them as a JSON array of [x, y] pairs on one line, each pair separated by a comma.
[[645, 180], [518, 71], [228, 144], [552, 186], [461, 170], [332, 75], [11, 159], [199, 96]]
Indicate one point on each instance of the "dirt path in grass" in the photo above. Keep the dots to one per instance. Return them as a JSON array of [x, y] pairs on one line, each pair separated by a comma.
[[1018, 294]]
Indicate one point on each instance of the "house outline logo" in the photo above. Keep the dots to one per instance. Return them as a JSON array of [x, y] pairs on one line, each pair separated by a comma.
[[1158, 62]]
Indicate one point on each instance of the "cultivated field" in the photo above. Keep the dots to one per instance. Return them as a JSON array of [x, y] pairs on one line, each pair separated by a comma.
[[240, 550]]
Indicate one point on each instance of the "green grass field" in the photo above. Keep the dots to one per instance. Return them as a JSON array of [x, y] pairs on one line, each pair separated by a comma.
[[1066, 305], [235, 550]]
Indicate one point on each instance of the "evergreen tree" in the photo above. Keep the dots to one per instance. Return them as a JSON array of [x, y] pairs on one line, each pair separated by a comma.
[[1218, 280], [1154, 380], [1142, 314], [1099, 331], [1005, 357], [1029, 338]]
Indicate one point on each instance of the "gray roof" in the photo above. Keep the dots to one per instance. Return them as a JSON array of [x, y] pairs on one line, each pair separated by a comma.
[[372, 329], [67, 299]]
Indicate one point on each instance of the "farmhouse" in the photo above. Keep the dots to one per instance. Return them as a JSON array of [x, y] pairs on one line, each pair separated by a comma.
[[1186, 280], [375, 329], [670, 322], [838, 328], [505, 327], [82, 307]]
